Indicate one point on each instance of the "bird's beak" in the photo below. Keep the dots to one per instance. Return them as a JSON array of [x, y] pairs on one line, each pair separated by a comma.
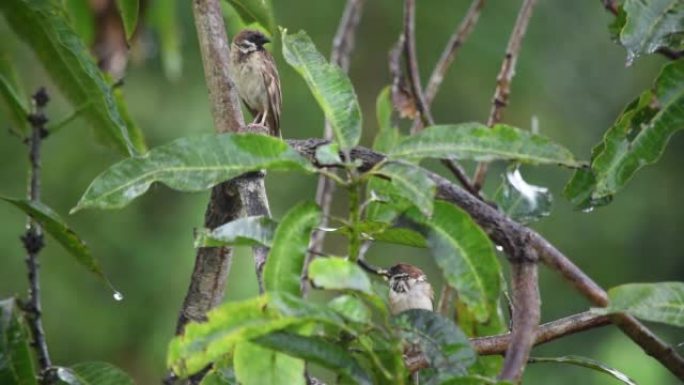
[[265, 40]]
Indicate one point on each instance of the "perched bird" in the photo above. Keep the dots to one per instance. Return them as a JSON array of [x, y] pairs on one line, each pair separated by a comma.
[[256, 77], [409, 289]]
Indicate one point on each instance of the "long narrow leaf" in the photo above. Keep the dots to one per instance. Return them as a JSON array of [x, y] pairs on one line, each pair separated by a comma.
[[13, 96], [476, 141], [318, 350], [256, 365], [285, 262], [652, 24], [330, 86], [93, 373], [586, 363], [44, 26], [638, 138], [659, 302], [190, 164], [247, 231], [129, 15], [412, 183], [16, 359], [466, 257], [54, 225]]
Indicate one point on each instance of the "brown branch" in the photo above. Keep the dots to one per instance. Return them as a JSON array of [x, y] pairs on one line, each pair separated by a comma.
[[343, 45], [505, 77], [526, 316], [455, 42], [445, 299], [407, 42], [411, 58], [245, 195], [515, 238], [33, 238], [545, 333]]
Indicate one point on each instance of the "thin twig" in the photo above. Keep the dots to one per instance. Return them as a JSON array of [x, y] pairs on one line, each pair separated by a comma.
[[514, 237], [505, 77], [343, 45], [526, 316], [33, 238], [455, 42], [547, 332], [411, 58], [407, 41]]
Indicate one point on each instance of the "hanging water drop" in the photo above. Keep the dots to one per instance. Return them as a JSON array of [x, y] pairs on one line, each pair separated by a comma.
[[118, 296], [588, 209], [499, 247]]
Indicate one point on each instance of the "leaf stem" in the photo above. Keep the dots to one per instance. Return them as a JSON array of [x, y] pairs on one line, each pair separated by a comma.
[[354, 189]]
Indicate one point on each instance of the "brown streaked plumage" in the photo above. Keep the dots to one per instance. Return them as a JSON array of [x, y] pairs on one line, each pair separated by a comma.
[[409, 289], [256, 78]]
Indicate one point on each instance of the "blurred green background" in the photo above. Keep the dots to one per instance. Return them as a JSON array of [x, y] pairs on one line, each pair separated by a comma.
[[570, 76]]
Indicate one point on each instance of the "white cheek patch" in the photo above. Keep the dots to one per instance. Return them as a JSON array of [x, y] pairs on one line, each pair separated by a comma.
[[247, 46]]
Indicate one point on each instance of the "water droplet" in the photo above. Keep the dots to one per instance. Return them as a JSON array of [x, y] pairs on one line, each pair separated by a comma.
[[631, 55], [118, 296], [588, 209], [499, 247]]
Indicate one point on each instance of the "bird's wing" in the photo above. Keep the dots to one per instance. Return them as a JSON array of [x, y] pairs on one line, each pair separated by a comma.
[[275, 96]]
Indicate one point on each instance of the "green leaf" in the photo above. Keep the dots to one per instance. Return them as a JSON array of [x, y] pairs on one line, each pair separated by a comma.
[[658, 302], [246, 231], [163, 19], [351, 308], [396, 232], [328, 154], [388, 135], [466, 257], [44, 26], [259, 11], [129, 15], [190, 164], [522, 201], [54, 225], [16, 359], [330, 86], [93, 373], [318, 350], [222, 376], [285, 261], [446, 347], [13, 96], [81, 19], [412, 183], [256, 365], [638, 138], [476, 141], [233, 322], [587, 363], [227, 324], [338, 274], [652, 24]]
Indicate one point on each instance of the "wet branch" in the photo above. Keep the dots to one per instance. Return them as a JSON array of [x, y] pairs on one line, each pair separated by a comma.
[[33, 237], [505, 78]]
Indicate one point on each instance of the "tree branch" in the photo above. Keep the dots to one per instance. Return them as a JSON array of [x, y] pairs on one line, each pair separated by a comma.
[[526, 316], [343, 45], [515, 239], [455, 42], [33, 237], [245, 195], [545, 333], [411, 58], [505, 77]]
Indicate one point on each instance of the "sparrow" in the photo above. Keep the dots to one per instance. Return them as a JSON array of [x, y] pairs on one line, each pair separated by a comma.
[[256, 78], [409, 289]]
